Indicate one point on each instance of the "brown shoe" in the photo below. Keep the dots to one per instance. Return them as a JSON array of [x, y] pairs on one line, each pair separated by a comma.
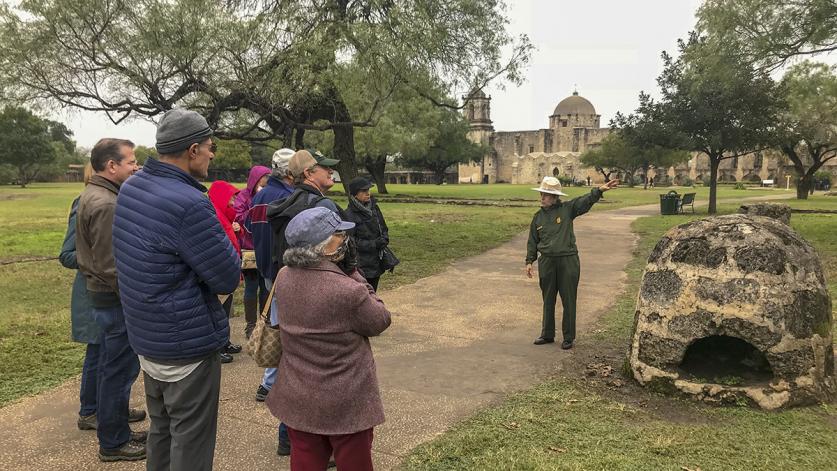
[[139, 436], [543, 341], [87, 422], [130, 451], [136, 415]]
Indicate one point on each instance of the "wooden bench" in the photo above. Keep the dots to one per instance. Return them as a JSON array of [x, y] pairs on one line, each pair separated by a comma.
[[687, 199]]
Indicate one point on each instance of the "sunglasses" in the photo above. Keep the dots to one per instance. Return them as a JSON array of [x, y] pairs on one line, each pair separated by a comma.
[[213, 147]]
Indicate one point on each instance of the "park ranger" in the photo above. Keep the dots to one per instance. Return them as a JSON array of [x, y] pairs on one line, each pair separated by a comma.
[[551, 235]]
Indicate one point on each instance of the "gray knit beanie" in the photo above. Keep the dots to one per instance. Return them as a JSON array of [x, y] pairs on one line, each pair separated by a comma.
[[179, 129]]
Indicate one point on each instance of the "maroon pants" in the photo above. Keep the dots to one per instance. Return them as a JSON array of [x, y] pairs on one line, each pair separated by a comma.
[[311, 452]]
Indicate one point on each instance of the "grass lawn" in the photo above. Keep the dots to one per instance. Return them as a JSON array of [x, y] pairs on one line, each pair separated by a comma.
[[36, 352], [619, 198], [571, 424]]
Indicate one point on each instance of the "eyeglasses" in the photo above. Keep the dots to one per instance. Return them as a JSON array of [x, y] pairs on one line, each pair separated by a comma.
[[213, 147]]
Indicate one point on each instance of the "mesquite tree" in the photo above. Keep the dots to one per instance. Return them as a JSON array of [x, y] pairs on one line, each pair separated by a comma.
[[257, 70]]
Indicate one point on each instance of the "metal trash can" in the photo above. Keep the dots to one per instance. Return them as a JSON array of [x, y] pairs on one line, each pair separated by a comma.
[[669, 203]]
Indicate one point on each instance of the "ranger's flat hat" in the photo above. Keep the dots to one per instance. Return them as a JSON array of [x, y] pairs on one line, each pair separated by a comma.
[[552, 186]]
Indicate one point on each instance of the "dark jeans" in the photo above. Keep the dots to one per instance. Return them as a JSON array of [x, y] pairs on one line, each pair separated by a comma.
[[118, 369], [89, 380], [184, 419], [253, 287]]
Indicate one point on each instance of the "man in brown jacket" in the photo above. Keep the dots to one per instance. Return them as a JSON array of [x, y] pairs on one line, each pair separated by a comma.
[[113, 162], [329, 397]]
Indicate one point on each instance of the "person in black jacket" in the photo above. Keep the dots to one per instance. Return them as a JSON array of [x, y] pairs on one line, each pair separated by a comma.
[[371, 234]]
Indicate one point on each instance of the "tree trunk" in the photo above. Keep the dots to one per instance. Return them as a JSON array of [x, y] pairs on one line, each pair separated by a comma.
[[804, 180], [807, 179], [344, 150], [606, 175], [299, 139], [376, 166], [344, 139], [714, 163], [22, 177], [803, 184], [287, 136]]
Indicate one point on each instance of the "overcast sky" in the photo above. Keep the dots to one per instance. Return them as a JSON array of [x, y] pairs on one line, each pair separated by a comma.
[[610, 49]]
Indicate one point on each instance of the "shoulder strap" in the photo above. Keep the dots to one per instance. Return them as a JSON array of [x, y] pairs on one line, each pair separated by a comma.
[[269, 302]]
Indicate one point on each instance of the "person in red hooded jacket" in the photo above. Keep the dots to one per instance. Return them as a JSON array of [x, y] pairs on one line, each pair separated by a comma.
[[222, 195]]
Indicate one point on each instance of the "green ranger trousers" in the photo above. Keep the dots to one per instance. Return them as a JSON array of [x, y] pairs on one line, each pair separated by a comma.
[[559, 275]]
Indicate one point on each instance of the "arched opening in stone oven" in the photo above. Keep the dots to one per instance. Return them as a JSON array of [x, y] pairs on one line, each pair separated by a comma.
[[725, 360]]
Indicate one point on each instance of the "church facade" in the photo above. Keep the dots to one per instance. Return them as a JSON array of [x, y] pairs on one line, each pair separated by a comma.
[[527, 156]]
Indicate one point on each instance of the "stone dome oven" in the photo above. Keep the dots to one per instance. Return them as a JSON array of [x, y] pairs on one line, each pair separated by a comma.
[[735, 308]]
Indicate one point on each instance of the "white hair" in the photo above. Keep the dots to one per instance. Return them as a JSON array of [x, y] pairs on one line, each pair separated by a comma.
[[305, 256]]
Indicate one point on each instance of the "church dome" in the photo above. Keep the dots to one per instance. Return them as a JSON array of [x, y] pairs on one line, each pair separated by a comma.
[[575, 105]]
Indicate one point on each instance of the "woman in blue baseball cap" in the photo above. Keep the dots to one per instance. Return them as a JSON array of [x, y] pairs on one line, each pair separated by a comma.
[[329, 397]]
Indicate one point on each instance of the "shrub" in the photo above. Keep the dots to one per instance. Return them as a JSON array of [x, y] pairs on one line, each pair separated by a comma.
[[740, 186]]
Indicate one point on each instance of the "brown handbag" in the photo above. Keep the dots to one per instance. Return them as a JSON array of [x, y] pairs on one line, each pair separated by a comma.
[[248, 260], [264, 344]]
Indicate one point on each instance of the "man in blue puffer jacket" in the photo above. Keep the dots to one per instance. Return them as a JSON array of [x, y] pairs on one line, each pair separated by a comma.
[[173, 259]]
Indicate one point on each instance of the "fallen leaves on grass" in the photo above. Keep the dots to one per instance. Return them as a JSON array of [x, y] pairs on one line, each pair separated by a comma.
[[602, 370], [557, 449], [616, 383], [512, 425]]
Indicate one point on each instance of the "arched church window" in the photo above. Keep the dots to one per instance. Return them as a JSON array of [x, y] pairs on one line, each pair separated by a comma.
[[555, 172]]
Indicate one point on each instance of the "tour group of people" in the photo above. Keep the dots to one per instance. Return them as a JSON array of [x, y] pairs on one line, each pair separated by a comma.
[[159, 256]]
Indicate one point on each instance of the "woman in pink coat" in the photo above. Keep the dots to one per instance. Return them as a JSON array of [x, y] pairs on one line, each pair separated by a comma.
[[329, 396], [254, 292]]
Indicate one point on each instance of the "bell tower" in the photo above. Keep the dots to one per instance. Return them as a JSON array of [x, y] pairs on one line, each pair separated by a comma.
[[478, 113]]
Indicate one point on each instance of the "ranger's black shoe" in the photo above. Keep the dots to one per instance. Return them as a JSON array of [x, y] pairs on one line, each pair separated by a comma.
[[542, 341], [225, 357], [567, 344]]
